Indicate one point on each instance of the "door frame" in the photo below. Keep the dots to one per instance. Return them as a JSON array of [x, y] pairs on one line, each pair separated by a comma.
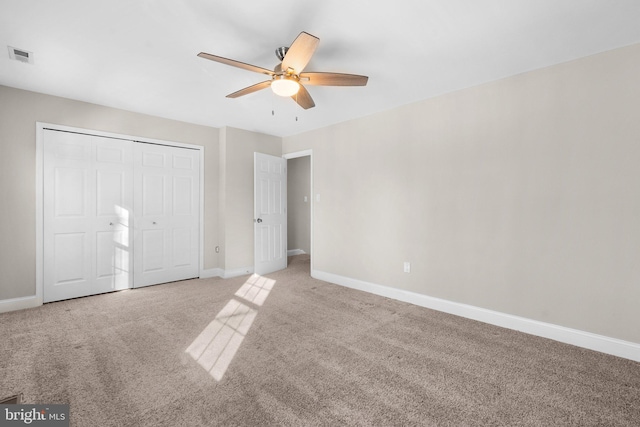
[[40, 128], [295, 155]]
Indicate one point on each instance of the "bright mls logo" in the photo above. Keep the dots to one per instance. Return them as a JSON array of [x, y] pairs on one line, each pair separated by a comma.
[[34, 415]]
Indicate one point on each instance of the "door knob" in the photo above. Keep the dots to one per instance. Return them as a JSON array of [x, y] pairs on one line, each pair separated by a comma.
[[259, 220], [154, 223]]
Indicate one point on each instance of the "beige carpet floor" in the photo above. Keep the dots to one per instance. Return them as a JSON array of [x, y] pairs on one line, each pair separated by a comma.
[[297, 351]]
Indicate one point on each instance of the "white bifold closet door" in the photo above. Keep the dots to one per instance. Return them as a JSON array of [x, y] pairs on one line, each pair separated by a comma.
[[87, 215], [117, 214], [166, 207]]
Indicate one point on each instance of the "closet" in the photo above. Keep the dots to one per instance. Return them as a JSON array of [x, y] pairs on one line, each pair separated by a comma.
[[117, 214]]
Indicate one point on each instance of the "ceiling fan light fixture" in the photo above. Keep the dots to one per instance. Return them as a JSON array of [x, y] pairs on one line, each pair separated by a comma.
[[284, 86]]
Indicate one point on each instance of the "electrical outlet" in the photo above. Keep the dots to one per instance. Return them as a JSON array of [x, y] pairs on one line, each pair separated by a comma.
[[407, 267]]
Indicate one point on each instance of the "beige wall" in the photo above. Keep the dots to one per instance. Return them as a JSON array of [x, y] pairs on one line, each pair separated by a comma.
[[19, 112], [236, 192], [299, 211], [520, 196]]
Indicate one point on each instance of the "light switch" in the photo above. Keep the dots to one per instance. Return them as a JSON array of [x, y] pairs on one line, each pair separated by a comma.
[[306, 199]]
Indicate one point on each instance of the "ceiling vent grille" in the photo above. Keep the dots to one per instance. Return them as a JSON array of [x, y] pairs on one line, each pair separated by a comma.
[[21, 55]]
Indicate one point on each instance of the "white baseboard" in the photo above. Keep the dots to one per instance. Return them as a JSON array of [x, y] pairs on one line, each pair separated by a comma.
[[293, 252], [33, 301], [14, 304], [603, 344], [212, 272], [227, 274]]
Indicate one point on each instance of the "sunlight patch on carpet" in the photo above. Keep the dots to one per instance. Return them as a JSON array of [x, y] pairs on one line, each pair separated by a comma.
[[217, 344], [256, 289]]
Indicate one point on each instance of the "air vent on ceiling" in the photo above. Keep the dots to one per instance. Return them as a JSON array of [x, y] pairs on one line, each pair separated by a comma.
[[21, 55]]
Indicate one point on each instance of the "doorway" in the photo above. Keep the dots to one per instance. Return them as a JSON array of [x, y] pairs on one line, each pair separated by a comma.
[[300, 203]]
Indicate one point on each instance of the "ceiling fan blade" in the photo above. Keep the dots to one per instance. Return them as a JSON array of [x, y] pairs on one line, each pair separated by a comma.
[[303, 98], [235, 63], [300, 52], [247, 90], [334, 79]]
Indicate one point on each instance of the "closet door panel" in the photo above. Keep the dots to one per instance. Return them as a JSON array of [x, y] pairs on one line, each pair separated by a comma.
[[182, 247], [166, 194], [68, 216], [113, 167], [87, 208], [152, 247]]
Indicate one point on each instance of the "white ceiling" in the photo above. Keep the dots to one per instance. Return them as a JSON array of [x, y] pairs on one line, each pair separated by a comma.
[[140, 55]]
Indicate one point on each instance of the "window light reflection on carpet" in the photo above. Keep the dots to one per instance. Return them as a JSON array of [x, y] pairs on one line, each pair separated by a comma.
[[217, 344]]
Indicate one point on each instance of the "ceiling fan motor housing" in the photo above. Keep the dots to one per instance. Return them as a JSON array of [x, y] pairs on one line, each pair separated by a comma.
[[281, 52]]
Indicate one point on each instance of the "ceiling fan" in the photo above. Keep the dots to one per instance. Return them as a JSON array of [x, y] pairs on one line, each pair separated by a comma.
[[287, 77]]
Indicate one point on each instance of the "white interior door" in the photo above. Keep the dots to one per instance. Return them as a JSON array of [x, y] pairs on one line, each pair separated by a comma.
[[270, 213], [167, 214], [87, 203]]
